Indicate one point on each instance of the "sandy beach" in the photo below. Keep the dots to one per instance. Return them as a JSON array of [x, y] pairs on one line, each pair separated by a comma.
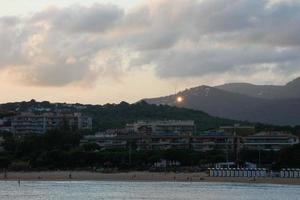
[[137, 176]]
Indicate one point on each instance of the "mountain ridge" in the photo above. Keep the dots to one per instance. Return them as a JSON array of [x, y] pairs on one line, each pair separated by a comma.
[[233, 104], [288, 91]]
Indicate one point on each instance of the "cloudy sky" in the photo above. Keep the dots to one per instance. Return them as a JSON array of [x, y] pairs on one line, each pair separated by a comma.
[[103, 51]]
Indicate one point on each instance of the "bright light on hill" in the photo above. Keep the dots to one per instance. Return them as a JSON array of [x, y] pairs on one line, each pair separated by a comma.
[[179, 99]]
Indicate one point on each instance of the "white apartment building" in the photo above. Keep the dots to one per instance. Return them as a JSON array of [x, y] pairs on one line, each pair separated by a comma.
[[38, 124]]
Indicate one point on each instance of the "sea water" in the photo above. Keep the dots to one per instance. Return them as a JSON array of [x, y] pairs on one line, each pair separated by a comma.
[[98, 190]]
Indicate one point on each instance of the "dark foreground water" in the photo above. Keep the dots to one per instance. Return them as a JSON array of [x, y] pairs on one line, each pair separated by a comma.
[[97, 190]]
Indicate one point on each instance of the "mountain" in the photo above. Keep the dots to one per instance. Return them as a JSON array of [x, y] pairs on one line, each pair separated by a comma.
[[236, 102], [289, 91]]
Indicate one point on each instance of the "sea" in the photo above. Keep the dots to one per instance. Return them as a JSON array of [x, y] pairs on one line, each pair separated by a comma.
[[108, 190]]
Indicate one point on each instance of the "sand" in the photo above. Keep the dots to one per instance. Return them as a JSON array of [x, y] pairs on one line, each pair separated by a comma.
[[136, 176]]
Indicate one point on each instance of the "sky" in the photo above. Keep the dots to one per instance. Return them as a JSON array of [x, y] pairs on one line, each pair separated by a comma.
[[107, 51]]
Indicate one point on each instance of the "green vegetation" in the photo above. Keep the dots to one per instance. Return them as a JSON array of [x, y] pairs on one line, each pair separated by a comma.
[[111, 116], [290, 157]]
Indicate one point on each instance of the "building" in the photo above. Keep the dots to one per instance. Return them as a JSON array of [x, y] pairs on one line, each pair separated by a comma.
[[166, 163], [224, 165], [107, 141], [268, 141], [164, 127], [203, 142], [5, 125], [39, 123], [138, 142], [163, 142], [212, 142], [162, 135], [239, 130]]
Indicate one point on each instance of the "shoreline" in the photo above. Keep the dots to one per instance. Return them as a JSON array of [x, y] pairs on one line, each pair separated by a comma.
[[138, 176]]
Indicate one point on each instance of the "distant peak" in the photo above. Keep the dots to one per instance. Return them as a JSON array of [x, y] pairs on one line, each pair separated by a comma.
[[201, 87], [295, 82], [237, 83]]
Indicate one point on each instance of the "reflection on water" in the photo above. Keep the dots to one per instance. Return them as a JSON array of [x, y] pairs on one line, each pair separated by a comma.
[[87, 190]]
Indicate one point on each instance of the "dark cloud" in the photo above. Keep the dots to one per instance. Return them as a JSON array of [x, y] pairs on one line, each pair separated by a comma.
[[9, 21], [11, 41], [58, 73], [178, 38], [215, 61], [74, 19]]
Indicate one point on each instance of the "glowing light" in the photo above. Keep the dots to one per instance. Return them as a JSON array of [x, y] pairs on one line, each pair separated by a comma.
[[179, 99]]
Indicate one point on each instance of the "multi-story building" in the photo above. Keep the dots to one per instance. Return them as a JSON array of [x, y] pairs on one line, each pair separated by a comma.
[[238, 129], [204, 142], [163, 142], [269, 141], [212, 142], [39, 123], [5, 125], [172, 134], [264, 141], [164, 127], [139, 142]]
